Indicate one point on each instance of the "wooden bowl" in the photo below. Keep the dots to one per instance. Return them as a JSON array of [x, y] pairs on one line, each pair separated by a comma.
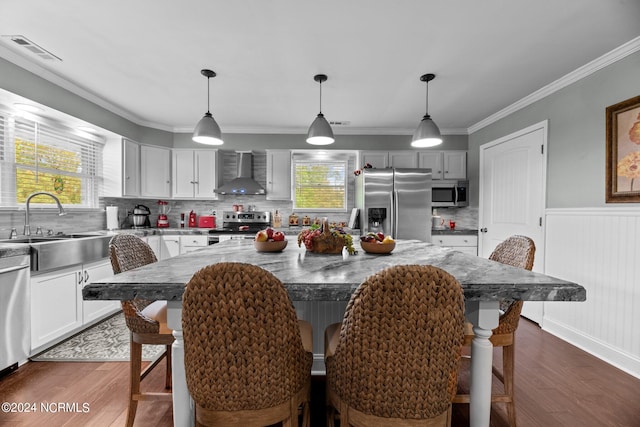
[[270, 246], [377, 248]]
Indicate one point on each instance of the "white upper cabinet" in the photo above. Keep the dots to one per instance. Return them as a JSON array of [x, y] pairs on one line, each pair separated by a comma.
[[444, 164], [389, 159], [278, 175], [155, 171], [403, 159], [195, 174], [131, 168], [377, 159]]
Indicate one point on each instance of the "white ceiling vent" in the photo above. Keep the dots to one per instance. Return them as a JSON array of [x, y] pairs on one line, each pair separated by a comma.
[[24, 42], [340, 123]]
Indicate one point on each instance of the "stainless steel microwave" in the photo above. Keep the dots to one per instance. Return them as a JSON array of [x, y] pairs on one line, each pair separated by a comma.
[[449, 194]]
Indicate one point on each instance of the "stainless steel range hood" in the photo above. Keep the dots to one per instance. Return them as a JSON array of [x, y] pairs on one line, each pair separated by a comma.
[[244, 182]]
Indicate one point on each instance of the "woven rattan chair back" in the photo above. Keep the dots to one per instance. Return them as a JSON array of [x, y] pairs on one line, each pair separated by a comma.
[[516, 251], [128, 252], [399, 346], [242, 344]]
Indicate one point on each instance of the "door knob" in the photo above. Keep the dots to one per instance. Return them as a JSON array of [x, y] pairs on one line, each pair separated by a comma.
[[484, 230]]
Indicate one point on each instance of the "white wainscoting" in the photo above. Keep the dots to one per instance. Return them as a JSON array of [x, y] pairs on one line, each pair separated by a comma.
[[598, 248]]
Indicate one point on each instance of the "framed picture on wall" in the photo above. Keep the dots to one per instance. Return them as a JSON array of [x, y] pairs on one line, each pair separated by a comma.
[[623, 152]]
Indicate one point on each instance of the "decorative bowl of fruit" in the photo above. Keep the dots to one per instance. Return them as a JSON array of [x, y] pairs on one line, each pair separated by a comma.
[[324, 239], [377, 243], [269, 240]]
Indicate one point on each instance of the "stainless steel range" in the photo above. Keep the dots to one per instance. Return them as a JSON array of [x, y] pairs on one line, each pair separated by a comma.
[[240, 225]]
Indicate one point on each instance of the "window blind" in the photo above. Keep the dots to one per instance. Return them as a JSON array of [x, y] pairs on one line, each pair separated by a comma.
[[39, 156], [320, 184]]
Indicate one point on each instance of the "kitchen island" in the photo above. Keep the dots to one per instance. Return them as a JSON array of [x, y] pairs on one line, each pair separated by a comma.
[[315, 277]]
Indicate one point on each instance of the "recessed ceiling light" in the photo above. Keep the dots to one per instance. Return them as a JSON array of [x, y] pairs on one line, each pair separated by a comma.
[[28, 108]]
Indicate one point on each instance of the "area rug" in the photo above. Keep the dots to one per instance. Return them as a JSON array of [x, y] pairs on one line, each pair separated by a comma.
[[107, 341]]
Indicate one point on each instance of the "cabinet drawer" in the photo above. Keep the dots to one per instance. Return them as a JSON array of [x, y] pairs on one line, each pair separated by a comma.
[[463, 240]]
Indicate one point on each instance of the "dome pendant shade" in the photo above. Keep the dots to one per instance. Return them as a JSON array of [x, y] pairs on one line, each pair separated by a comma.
[[207, 130], [427, 134], [320, 132]]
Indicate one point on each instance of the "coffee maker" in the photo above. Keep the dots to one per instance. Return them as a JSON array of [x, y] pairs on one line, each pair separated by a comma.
[[163, 210], [376, 219]]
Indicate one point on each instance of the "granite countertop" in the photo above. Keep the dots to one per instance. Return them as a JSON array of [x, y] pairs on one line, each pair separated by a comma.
[[456, 232], [318, 277]]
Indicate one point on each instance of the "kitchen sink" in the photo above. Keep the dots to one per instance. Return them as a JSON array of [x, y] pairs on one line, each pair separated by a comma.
[[64, 250]]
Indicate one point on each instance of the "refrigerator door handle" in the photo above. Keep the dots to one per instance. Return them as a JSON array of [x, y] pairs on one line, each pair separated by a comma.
[[394, 223]]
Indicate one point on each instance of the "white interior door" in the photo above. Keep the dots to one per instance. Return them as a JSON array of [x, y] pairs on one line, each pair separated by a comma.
[[512, 195]]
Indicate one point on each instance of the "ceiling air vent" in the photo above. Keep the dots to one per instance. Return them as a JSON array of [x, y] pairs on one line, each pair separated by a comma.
[[24, 42]]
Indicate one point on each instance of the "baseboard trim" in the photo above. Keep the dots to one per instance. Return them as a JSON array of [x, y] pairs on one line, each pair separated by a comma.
[[601, 350]]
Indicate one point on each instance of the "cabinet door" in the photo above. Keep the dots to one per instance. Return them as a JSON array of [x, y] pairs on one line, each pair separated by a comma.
[[95, 310], [131, 168], [403, 159], [455, 165], [433, 161], [183, 173], [56, 305], [169, 247], [155, 171], [154, 243], [377, 159], [278, 175], [193, 243], [206, 174]]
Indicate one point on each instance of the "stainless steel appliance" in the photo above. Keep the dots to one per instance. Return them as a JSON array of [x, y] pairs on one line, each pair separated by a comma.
[[140, 217], [452, 194], [395, 202], [239, 225], [244, 182], [14, 312]]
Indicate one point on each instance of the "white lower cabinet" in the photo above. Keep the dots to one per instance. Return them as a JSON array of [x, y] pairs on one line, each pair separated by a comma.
[[193, 243], [154, 243], [57, 307], [463, 243], [169, 246]]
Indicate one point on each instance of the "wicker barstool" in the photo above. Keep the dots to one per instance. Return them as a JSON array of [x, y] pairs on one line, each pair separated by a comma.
[[146, 320], [394, 359], [247, 357], [516, 251]]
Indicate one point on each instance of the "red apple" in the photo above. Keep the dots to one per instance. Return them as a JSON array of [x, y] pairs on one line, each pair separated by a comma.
[[261, 236], [269, 232], [380, 235], [278, 236]]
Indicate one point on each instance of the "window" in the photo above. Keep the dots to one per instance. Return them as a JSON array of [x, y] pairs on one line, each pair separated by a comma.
[[37, 156], [319, 184]]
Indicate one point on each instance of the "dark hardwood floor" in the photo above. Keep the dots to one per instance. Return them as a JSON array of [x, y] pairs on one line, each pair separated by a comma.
[[556, 385]]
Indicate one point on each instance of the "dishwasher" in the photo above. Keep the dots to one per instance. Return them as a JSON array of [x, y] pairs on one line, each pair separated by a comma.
[[14, 312]]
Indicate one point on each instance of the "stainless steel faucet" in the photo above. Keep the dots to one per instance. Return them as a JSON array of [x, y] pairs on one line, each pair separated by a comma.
[[27, 228]]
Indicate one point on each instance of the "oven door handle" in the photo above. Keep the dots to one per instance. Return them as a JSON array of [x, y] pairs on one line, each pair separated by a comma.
[[15, 268]]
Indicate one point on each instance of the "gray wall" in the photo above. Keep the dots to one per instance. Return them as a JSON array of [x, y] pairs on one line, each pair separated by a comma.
[[576, 141]]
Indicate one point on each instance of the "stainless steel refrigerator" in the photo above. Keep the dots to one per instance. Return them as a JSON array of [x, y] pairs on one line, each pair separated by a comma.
[[396, 202]]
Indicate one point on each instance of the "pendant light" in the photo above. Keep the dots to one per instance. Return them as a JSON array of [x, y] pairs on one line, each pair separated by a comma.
[[320, 132], [207, 130], [427, 134]]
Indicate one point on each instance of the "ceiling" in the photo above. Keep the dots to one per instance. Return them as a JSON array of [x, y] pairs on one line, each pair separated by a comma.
[[142, 59]]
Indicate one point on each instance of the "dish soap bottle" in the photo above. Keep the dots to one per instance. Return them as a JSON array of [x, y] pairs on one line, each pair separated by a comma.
[[277, 220]]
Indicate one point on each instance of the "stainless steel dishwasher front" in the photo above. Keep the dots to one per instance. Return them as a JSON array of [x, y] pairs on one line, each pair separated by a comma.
[[14, 312]]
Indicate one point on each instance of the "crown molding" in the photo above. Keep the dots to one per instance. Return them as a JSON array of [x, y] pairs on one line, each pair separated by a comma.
[[586, 70]]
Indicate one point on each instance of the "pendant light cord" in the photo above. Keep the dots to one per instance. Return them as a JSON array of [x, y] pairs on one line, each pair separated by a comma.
[[320, 96], [427, 102], [208, 89]]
